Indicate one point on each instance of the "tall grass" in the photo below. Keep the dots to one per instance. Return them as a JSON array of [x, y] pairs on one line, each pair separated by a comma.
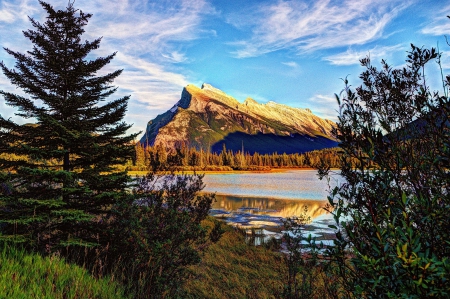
[[231, 268], [29, 275]]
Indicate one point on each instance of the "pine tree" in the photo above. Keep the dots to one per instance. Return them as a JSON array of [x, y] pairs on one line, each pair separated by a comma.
[[57, 193]]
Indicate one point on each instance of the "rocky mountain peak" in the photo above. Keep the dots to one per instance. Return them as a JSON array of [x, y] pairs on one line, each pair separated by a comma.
[[209, 117], [250, 101]]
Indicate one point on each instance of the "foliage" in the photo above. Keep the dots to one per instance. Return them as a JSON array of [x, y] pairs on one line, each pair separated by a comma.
[[61, 190], [233, 268], [62, 179], [29, 275], [392, 210], [157, 233]]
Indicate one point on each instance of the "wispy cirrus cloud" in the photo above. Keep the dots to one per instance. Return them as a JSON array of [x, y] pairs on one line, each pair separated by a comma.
[[150, 38], [304, 26], [149, 83], [12, 11], [157, 28], [440, 24], [350, 56], [324, 106]]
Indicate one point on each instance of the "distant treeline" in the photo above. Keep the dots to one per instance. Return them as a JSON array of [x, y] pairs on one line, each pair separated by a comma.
[[183, 158], [159, 157]]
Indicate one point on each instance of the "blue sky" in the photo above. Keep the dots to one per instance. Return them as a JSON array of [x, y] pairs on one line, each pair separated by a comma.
[[291, 52]]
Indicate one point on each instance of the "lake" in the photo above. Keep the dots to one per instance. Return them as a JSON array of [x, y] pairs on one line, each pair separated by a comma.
[[263, 200]]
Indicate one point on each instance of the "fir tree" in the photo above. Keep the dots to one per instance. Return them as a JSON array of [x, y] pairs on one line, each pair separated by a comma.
[[57, 192]]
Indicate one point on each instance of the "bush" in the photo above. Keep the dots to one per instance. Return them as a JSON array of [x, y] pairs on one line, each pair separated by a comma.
[[157, 233], [392, 209]]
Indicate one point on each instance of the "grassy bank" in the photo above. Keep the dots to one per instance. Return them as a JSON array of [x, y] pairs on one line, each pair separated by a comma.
[[232, 269], [25, 275]]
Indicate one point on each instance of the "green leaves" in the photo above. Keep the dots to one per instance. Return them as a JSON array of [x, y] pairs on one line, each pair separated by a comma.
[[394, 135], [158, 232]]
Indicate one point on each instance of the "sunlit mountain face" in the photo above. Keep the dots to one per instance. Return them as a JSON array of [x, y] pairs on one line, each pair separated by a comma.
[[207, 118]]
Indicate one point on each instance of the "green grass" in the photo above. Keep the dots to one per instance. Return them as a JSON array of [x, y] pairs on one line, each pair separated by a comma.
[[25, 275], [230, 268]]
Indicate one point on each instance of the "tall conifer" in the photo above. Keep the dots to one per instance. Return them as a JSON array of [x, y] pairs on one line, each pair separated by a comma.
[[63, 182]]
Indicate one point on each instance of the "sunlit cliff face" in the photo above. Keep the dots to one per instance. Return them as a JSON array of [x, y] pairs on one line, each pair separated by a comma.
[[208, 114]]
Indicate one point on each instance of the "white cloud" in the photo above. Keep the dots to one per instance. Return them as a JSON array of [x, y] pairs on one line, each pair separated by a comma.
[[150, 27], [290, 63], [307, 26], [12, 11], [445, 60], [440, 24], [153, 89], [159, 28], [175, 57], [323, 100], [6, 16], [154, 70], [149, 37], [350, 56], [324, 106], [3, 80]]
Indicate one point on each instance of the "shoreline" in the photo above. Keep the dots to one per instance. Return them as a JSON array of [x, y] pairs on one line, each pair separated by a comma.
[[200, 171]]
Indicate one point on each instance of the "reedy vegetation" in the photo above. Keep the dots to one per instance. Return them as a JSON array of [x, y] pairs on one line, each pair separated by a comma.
[[29, 275]]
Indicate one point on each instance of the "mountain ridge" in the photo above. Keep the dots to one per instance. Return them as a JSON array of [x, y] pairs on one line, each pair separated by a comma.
[[207, 117]]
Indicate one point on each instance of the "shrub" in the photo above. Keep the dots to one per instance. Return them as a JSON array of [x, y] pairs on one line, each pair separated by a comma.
[[157, 233], [392, 209]]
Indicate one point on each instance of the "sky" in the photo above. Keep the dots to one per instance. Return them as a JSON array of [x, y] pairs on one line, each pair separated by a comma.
[[290, 52]]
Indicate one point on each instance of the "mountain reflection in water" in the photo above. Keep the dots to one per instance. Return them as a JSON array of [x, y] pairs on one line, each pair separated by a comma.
[[266, 215], [264, 200], [272, 207]]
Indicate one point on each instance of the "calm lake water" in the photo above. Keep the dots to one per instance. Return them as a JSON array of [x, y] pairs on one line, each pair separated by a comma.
[[263, 200], [292, 184]]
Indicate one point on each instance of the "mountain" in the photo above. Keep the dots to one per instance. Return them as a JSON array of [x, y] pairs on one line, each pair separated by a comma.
[[207, 117]]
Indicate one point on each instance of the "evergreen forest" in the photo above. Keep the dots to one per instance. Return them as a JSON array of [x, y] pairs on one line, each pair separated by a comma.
[[185, 158]]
